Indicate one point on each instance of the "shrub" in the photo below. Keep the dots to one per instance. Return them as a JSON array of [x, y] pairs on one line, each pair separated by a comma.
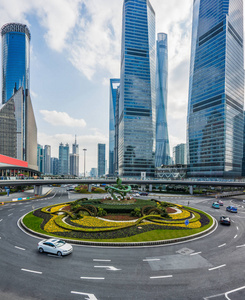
[[101, 212], [136, 212]]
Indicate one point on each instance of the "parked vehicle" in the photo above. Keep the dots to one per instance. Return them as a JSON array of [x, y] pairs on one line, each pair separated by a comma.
[[143, 194], [231, 209], [54, 246]]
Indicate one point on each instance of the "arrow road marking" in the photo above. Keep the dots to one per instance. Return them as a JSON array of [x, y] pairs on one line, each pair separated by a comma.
[[109, 268]]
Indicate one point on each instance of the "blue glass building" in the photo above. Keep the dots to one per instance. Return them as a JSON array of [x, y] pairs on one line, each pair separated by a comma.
[[101, 160], [15, 59], [216, 91], [137, 101], [114, 83], [162, 156], [64, 159]]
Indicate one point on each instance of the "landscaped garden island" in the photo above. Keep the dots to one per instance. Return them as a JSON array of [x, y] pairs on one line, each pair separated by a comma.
[[127, 220]]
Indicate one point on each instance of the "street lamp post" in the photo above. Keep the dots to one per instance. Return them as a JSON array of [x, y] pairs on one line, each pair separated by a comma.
[[84, 150]]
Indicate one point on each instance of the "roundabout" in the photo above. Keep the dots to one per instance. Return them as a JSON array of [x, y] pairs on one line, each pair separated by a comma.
[[210, 267]]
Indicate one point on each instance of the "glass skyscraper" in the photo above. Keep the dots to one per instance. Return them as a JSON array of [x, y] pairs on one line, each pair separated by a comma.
[[64, 159], [15, 59], [162, 140], [101, 160], [137, 101], [114, 83], [216, 91]]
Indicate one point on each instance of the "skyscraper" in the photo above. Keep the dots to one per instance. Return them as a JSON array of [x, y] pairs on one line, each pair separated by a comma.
[[15, 59], [64, 159], [101, 160], [16, 89], [74, 159], [40, 158], [216, 90], [137, 120], [114, 83], [162, 140], [47, 159], [179, 154]]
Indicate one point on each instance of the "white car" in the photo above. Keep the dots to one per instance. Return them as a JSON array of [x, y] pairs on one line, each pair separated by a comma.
[[54, 246], [136, 195]]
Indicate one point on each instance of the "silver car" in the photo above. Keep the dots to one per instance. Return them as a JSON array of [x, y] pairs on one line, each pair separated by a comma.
[[54, 246]]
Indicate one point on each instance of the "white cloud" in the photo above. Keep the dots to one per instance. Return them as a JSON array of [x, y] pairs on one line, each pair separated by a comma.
[[56, 118]]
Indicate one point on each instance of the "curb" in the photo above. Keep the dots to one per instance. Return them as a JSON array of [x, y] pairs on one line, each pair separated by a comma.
[[118, 245]]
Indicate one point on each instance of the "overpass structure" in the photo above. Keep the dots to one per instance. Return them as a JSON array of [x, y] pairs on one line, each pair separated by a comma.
[[39, 183]]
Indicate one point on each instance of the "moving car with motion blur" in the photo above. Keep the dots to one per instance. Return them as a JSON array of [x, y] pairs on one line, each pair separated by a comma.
[[231, 209], [225, 220], [215, 205], [220, 202], [55, 246]]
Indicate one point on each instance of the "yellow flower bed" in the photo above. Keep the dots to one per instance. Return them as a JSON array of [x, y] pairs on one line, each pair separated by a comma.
[[191, 225], [56, 208], [52, 227], [89, 221], [183, 215]]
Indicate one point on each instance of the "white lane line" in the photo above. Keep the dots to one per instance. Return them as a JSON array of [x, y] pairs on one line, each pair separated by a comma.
[[93, 278], [232, 221], [10, 215], [151, 259], [19, 248], [109, 268], [158, 277], [0, 238], [22, 209], [1, 220], [222, 245], [101, 260], [237, 228], [217, 267], [31, 271], [90, 296], [233, 291], [196, 253], [235, 236], [240, 246]]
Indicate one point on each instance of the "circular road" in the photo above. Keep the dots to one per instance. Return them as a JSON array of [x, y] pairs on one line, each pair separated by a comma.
[[211, 267]]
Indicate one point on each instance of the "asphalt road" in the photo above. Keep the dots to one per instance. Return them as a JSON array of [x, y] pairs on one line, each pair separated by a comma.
[[211, 267]]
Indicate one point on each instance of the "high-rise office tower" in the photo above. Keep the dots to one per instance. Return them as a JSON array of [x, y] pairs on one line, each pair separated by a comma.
[[64, 160], [216, 90], [47, 159], [40, 158], [101, 160], [179, 154], [16, 95], [54, 165], [74, 159], [137, 102], [162, 156], [114, 83]]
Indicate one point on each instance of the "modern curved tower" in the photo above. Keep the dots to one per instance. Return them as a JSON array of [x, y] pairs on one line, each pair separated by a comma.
[[15, 59], [216, 89], [162, 156]]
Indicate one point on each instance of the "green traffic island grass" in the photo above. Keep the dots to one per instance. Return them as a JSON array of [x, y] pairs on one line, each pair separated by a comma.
[[134, 233]]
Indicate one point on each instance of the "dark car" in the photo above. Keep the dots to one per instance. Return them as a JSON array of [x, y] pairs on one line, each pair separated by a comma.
[[143, 194], [225, 220]]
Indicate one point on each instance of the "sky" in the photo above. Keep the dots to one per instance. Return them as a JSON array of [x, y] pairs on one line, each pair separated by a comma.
[[75, 50]]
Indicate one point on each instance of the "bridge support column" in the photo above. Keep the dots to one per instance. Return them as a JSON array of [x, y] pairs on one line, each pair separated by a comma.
[[142, 187], [191, 189], [38, 189], [150, 188], [90, 188]]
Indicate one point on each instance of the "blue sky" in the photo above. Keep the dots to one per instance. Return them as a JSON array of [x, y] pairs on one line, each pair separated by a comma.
[[75, 50]]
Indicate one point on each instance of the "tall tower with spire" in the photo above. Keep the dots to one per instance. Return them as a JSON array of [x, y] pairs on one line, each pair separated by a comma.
[[74, 159]]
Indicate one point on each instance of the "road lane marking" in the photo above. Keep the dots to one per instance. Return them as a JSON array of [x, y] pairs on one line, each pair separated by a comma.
[[31, 271], [196, 253], [233, 291], [1, 220], [237, 228], [240, 246], [232, 221], [235, 236], [101, 259], [159, 277], [19, 248], [109, 268], [217, 267], [93, 278], [151, 259], [222, 245], [90, 296], [10, 215], [22, 209]]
